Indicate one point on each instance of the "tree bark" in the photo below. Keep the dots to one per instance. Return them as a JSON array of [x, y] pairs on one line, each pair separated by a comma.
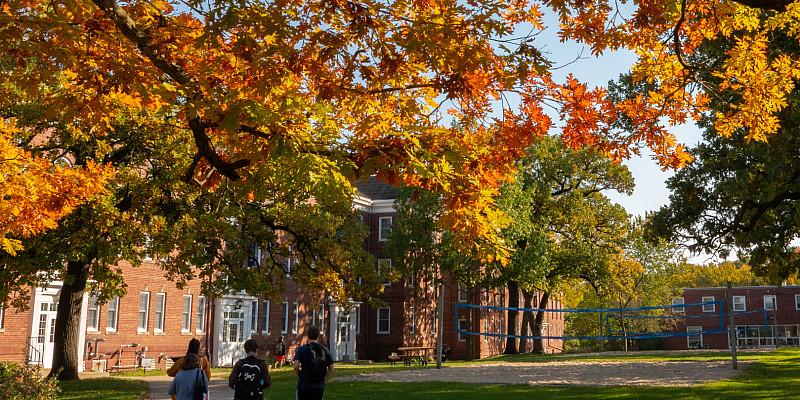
[[513, 302], [526, 321], [540, 348], [68, 322]]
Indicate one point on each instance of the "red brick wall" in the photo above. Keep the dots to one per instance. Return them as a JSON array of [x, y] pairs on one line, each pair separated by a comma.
[[15, 334]]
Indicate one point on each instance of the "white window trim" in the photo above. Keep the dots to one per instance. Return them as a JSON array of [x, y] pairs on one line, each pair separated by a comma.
[[358, 319], [296, 322], [389, 320], [680, 300], [380, 228], [265, 328], [114, 301], [139, 328], [200, 318], [96, 327], [386, 281], [412, 326], [744, 303], [291, 263], [163, 320], [705, 299], [2, 319], [253, 316], [285, 312], [698, 333], [462, 291], [774, 302], [796, 307], [461, 337], [187, 328]]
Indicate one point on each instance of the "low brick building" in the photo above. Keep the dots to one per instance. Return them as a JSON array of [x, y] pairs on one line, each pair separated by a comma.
[[765, 317]]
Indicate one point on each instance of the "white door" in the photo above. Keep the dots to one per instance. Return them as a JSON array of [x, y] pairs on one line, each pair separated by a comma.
[[44, 327], [345, 338], [234, 330]]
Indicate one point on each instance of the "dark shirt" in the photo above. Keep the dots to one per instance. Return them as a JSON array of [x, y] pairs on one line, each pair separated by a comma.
[[267, 380], [304, 357], [280, 349]]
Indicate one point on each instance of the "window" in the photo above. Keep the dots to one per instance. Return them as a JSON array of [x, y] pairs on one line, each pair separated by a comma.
[[291, 262], [200, 318], [412, 319], [739, 303], [462, 294], [285, 318], [113, 314], [265, 328], [708, 307], [694, 339], [796, 307], [384, 270], [254, 261], [148, 245], [296, 313], [321, 322], [769, 302], [384, 228], [383, 320], [462, 326], [2, 318], [161, 301], [412, 279], [676, 302], [186, 324], [144, 311], [93, 314], [254, 316]]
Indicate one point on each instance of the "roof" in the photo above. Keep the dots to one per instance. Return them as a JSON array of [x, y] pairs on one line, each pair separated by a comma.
[[745, 287], [374, 189]]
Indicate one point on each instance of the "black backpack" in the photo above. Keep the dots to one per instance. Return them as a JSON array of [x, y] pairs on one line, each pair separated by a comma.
[[317, 367], [249, 380]]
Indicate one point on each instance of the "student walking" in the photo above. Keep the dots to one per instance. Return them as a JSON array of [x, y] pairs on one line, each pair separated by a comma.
[[194, 348], [312, 364], [250, 375], [279, 351], [191, 382]]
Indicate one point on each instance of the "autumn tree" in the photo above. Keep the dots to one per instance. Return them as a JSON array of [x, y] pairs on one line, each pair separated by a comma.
[[564, 227]]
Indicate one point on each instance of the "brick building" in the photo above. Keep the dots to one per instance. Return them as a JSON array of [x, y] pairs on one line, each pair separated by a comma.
[[765, 317], [155, 320]]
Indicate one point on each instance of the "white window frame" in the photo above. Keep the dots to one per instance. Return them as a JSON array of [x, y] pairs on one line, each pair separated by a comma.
[[160, 314], [253, 317], [677, 301], [147, 256], [200, 315], [462, 294], [146, 311], [112, 312], [381, 237], [743, 303], [706, 299], [285, 318], [461, 337], [774, 302], [296, 322], [382, 265], [321, 325], [411, 281], [358, 318], [93, 307], [291, 263], [186, 314], [796, 305], [378, 329], [698, 330], [265, 328], [2, 318], [412, 326]]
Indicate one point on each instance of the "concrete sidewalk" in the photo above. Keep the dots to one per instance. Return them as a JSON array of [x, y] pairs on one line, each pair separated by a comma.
[[218, 388]]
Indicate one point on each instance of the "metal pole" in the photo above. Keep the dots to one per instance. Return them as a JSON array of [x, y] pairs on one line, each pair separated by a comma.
[[440, 324], [731, 325]]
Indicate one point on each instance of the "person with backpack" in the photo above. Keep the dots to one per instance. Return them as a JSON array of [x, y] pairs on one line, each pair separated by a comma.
[[250, 375], [191, 382], [312, 364]]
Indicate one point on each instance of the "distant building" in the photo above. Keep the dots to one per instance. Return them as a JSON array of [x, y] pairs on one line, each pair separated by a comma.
[[765, 317], [155, 320]]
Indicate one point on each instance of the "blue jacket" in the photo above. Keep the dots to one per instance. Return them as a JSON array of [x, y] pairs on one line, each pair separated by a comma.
[[183, 384]]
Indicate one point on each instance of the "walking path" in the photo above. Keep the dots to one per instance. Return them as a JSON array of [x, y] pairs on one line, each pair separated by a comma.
[[218, 388]]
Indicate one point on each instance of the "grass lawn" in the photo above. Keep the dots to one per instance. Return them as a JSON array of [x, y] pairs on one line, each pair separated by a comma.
[[772, 375], [103, 389]]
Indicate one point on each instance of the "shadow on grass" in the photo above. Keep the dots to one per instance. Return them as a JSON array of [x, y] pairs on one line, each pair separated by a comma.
[[103, 389]]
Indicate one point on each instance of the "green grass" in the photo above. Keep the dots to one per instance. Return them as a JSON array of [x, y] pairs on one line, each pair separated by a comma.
[[103, 389], [771, 375]]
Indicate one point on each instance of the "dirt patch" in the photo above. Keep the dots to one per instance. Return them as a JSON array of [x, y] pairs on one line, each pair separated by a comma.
[[594, 373]]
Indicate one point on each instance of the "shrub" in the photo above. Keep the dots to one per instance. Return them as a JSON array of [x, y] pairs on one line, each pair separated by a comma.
[[24, 382]]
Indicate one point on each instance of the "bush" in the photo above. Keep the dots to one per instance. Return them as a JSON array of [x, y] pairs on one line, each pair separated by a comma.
[[24, 382]]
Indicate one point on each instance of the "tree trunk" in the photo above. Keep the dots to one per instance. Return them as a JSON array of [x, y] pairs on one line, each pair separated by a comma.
[[526, 322], [540, 348], [513, 302], [68, 322]]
